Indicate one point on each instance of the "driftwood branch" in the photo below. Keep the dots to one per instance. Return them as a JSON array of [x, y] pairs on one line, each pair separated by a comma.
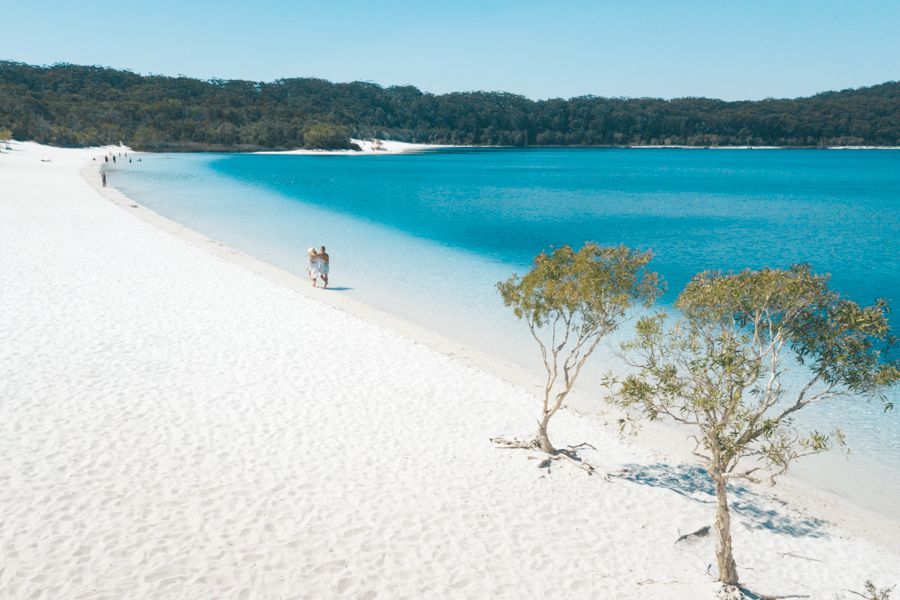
[[582, 445], [547, 460], [792, 555]]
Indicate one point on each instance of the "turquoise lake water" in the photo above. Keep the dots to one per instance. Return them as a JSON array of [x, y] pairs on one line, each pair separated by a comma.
[[426, 236]]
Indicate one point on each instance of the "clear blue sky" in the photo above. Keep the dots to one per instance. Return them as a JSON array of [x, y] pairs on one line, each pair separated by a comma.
[[725, 49]]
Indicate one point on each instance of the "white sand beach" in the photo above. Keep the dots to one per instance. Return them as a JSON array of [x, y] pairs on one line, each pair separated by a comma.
[[373, 146], [178, 420]]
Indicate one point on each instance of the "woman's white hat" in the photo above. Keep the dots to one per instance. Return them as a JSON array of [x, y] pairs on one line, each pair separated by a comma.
[[311, 251]]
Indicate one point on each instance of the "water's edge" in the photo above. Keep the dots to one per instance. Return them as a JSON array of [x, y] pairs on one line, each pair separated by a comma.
[[873, 515]]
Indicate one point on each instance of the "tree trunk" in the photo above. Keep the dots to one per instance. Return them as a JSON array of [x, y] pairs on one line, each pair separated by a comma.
[[543, 440], [724, 556]]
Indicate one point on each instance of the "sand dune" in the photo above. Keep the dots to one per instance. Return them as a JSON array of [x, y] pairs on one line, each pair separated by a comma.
[[366, 147], [176, 425]]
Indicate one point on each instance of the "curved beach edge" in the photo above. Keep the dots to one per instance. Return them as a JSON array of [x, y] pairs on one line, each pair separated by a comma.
[[183, 418]]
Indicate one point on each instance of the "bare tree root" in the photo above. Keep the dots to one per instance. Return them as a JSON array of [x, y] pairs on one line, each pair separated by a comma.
[[569, 454], [574, 459], [515, 443], [582, 445]]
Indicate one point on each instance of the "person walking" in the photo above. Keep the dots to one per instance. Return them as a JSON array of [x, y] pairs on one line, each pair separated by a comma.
[[324, 265], [103, 177], [312, 265]]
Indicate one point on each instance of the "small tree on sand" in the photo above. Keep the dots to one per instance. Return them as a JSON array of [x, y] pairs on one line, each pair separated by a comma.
[[720, 370], [569, 301]]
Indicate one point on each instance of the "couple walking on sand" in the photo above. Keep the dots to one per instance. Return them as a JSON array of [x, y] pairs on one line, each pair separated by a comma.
[[317, 265]]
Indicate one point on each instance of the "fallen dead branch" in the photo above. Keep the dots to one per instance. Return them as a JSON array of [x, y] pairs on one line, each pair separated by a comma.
[[547, 458], [792, 555]]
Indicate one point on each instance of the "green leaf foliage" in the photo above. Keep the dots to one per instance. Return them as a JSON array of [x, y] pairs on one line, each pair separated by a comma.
[[593, 287], [720, 367], [325, 136], [842, 343], [71, 105]]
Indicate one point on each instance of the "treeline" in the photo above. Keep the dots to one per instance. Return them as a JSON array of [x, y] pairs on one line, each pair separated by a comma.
[[70, 105]]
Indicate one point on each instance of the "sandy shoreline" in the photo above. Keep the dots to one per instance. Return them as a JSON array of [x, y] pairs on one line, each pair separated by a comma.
[[367, 147], [384, 147], [399, 493], [670, 441]]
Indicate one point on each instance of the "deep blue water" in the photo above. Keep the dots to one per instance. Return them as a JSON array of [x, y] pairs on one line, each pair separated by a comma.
[[426, 236], [696, 209]]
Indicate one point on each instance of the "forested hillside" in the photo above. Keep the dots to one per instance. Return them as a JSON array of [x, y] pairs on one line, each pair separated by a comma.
[[70, 105]]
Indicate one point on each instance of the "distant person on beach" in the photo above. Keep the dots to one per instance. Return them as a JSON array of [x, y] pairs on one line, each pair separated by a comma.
[[324, 265], [105, 159], [312, 265], [114, 158], [103, 178]]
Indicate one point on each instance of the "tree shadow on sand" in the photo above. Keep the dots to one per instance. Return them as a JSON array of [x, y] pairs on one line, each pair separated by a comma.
[[695, 483]]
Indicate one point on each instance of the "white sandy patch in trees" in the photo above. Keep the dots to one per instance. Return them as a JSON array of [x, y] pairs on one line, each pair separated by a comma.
[[174, 424], [373, 146]]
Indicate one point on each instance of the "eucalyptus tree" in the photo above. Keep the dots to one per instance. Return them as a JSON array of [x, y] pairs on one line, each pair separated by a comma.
[[720, 369], [569, 301]]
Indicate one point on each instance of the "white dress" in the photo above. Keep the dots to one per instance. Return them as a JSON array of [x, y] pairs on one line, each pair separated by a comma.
[[312, 267]]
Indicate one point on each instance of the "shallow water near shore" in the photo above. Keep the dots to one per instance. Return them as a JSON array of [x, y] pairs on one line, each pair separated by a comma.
[[426, 237]]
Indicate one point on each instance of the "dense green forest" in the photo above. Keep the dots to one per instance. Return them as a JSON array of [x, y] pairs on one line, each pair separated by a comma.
[[70, 105]]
